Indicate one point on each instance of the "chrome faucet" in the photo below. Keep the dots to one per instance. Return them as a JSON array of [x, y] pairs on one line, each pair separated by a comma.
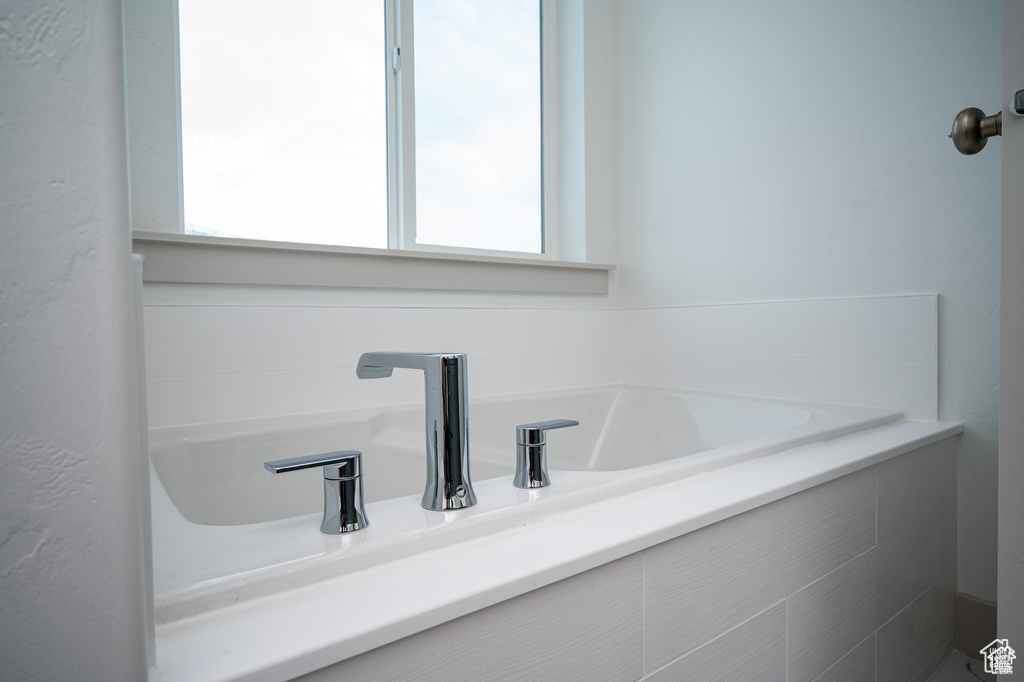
[[532, 452], [343, 487], [447, 422]]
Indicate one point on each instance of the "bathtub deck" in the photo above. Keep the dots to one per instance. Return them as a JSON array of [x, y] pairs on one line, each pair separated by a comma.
[[245, 641]]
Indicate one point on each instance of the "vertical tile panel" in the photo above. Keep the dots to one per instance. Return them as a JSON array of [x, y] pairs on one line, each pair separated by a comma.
[[879, 352], [917, 635], [933, 665], [195, 341], [587, 627], [914, 485], [704, 583], [856, 666], [830, 617], [947, 538], [663, 371], [907, 566], [217, 364], [882, 329], [905, 386]]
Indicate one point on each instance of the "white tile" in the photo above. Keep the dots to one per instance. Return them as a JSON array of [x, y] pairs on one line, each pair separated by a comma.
[[831, 616], [909, 387], [662, 371], [702, 584], [522, 375], [929, 669], [753, 330], [907, 566], [915, 485], [587, 627], [885, 329], [911, 641], [880, 329], [879, 352], [213, 398], [195, 400], [856, 351], [856, 666], [753, 650], [186, 341], [947, 538]]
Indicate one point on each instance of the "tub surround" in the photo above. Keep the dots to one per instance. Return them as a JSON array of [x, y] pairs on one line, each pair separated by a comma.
[[289, 633], [882, 352], [216, 364], [225, 531], [212, 365]]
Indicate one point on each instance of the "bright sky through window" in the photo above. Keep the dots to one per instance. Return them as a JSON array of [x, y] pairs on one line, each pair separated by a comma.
[[283, 117], [478, 132], [284, 121]]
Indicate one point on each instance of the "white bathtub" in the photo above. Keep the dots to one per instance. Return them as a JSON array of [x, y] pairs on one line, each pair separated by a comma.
[[225, 530], [247, 588]]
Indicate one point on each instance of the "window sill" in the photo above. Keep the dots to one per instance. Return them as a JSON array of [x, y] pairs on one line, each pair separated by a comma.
[[192, 259]]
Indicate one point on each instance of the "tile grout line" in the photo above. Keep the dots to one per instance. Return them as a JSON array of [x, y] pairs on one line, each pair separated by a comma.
[[786, 600], [643, 613], [763, 611], [874, 636], [875, 471]]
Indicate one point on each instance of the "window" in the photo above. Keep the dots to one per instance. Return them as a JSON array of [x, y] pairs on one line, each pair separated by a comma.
[[401, 124]]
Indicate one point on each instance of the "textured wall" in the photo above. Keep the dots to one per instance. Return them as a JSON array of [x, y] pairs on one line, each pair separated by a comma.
[[71, 577]]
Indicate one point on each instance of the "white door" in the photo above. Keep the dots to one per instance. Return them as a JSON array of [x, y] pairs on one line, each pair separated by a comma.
[[1011, 372]]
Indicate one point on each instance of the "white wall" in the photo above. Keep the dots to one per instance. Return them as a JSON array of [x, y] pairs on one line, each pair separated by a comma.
[[71, 547], [779, 151]]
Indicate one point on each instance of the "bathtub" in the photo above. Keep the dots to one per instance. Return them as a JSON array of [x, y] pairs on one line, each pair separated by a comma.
[[230, 539]]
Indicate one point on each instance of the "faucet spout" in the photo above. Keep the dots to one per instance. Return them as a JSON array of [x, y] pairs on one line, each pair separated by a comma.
[[448, 483]]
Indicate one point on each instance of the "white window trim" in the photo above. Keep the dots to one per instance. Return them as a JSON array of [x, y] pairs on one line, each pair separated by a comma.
[[194, 259], [174, 257]]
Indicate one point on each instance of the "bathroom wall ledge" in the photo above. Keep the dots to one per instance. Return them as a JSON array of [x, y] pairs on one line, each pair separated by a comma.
[[193, 259], [246, 640]]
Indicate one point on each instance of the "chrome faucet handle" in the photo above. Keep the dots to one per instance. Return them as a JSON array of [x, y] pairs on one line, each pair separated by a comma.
[[343, 487], [532, 453]]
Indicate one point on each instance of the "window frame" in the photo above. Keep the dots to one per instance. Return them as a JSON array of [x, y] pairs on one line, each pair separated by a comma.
[[401, 89], [154, 127]]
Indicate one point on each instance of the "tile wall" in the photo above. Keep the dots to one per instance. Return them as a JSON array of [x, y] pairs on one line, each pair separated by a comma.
[[852, 580], [209, 364], [849, 581], [223, 363], [881, 352]]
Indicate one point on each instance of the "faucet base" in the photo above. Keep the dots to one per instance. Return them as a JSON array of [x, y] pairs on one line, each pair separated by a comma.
[[460, 497]]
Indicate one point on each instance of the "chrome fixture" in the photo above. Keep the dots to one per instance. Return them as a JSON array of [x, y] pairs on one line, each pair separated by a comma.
[[447, 422], [971, 129], [532, 453], [343, 487]]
